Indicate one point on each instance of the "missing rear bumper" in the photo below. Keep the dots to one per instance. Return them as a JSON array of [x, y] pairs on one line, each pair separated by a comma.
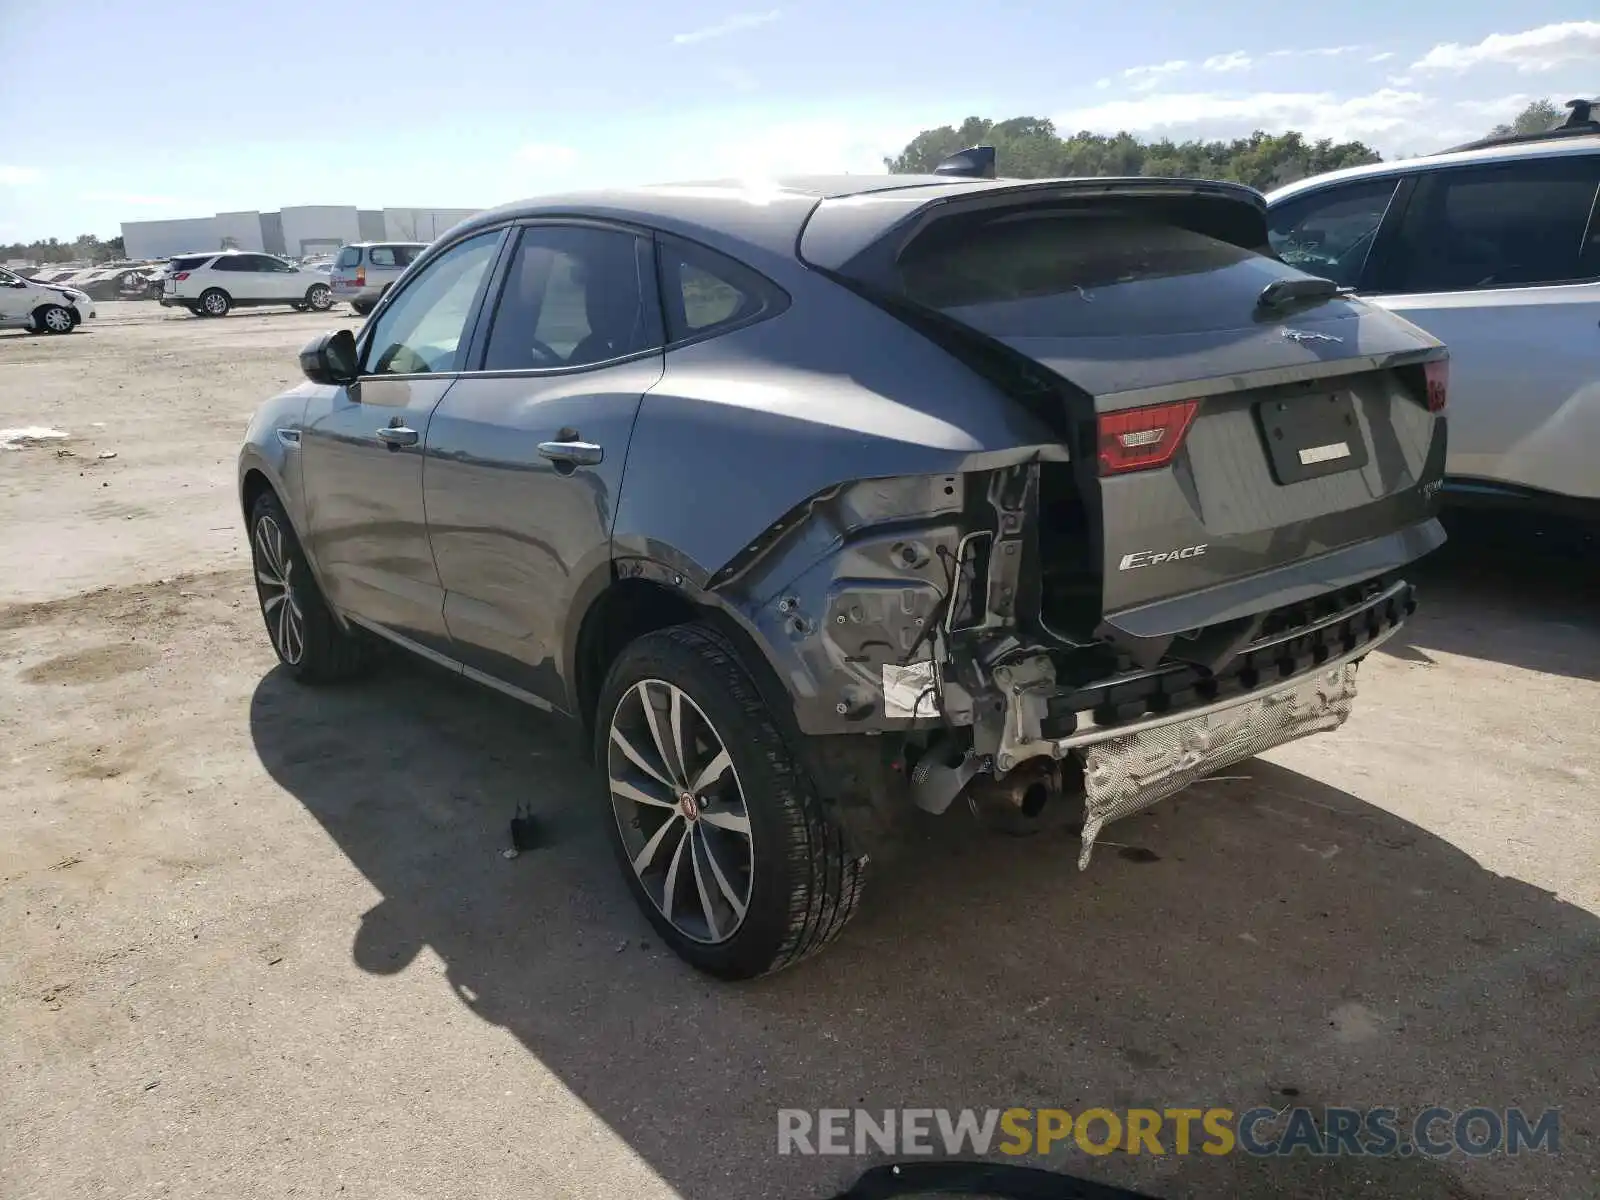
[[1131, 765], [1127, 774]]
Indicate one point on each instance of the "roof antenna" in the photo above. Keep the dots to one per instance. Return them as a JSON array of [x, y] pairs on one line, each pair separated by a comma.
[[976, 162]]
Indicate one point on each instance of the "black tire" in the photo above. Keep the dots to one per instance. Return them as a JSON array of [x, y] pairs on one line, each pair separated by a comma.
[[361, 307], [54, 319], [804, 884], [322, 652], [214, 302], [195, 310], [300, 307], [319, 297]]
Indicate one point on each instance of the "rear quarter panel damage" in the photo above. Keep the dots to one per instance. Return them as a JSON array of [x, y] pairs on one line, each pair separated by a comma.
[[810, 476]]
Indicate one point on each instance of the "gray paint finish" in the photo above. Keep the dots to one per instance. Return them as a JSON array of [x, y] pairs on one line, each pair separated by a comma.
[[810, 478], [517, 536]]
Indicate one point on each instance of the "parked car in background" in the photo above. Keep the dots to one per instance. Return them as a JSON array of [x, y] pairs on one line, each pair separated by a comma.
[[116, 283], [53, 274], [212, 285], [41, 307], [364, 271], [816, 503], [1494, 248]]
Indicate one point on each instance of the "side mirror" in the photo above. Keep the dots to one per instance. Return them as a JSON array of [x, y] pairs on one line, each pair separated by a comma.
[[331, 358]]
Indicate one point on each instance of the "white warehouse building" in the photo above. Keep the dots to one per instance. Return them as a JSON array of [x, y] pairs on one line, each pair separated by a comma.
[[297, 231]]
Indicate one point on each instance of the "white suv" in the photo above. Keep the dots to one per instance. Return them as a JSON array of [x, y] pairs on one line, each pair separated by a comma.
[[211, 285], [41, 307], [1494, 248]]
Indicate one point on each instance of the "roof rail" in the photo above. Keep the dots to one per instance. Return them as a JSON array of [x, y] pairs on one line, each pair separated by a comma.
[[1584, 119]]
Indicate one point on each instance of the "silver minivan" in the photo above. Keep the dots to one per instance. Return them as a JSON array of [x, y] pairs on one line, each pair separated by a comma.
[[364, 270]]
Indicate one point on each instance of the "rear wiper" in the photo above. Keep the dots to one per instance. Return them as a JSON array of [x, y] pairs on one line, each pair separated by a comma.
[[1281, 293]]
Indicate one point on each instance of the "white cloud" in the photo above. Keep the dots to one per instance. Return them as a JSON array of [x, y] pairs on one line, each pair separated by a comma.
[[546, 154], [1314, 52], [1384, 57], [11, 176], [733, 24], [1142, 79], [1234, 60], [1389, 115], [1503, 109], [1532, 50], [1102, 84]]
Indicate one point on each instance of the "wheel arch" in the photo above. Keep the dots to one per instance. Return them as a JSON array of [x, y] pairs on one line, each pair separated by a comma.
[[43, 306], [628, 607], [257, 477]]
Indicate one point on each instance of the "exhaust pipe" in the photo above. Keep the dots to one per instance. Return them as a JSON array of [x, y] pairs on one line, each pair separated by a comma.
[[1027, 790]]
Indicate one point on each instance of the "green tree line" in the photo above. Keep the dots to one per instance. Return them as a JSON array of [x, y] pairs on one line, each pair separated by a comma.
[[1032, 148], [86, 247]]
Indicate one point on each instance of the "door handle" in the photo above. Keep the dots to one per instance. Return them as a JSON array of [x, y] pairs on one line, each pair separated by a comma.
[[395, 436], [577, 454]]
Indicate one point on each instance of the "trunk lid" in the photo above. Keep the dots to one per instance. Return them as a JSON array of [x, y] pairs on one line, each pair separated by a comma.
[[1231, 419]]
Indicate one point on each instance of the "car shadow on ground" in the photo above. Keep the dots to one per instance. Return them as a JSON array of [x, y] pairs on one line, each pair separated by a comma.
[[1259, 941], [1511, 589]]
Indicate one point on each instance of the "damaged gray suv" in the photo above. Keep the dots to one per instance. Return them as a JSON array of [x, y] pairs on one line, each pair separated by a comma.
[[820, 502]]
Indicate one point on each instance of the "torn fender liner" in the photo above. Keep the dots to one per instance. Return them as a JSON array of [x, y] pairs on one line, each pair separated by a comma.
[[1125, 775]]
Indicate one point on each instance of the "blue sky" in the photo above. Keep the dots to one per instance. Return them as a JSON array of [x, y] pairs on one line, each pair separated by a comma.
[[166, 108]]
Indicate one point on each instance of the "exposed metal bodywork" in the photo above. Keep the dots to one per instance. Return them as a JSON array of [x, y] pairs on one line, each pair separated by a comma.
[[860, 505]]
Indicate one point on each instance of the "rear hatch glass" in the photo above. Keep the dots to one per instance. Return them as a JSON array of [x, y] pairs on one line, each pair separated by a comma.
[[1077, 291]]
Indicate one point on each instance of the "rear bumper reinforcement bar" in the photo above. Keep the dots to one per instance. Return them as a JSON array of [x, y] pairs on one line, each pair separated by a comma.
[[1089, 737], [1127, 768]]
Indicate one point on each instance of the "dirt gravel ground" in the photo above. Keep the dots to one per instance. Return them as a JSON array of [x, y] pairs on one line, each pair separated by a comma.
[[261, 941]]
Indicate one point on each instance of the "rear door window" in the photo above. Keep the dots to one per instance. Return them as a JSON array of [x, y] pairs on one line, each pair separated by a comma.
[[1515, 224], [406, 255], [1331, 231], [381, 256], [350, 256]]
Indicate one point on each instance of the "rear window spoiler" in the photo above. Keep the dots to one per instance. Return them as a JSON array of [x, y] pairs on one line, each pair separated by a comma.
[[862, 235]]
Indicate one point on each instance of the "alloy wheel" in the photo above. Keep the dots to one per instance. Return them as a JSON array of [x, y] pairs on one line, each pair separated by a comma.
[[57, 320], [275, 584], [215, 305], [321, 299], [681, 811]]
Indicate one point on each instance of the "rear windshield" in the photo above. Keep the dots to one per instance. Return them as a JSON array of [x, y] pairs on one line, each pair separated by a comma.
[[349, 257], [191, 262], [1085, 274]]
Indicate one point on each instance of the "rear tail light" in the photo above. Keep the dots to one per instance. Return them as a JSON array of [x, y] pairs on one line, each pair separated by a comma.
[[361, 277], [1437, 374], [1138, 438], [181, 276]]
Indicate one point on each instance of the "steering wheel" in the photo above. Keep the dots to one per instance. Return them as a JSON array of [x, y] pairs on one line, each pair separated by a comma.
[[550, 357]]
